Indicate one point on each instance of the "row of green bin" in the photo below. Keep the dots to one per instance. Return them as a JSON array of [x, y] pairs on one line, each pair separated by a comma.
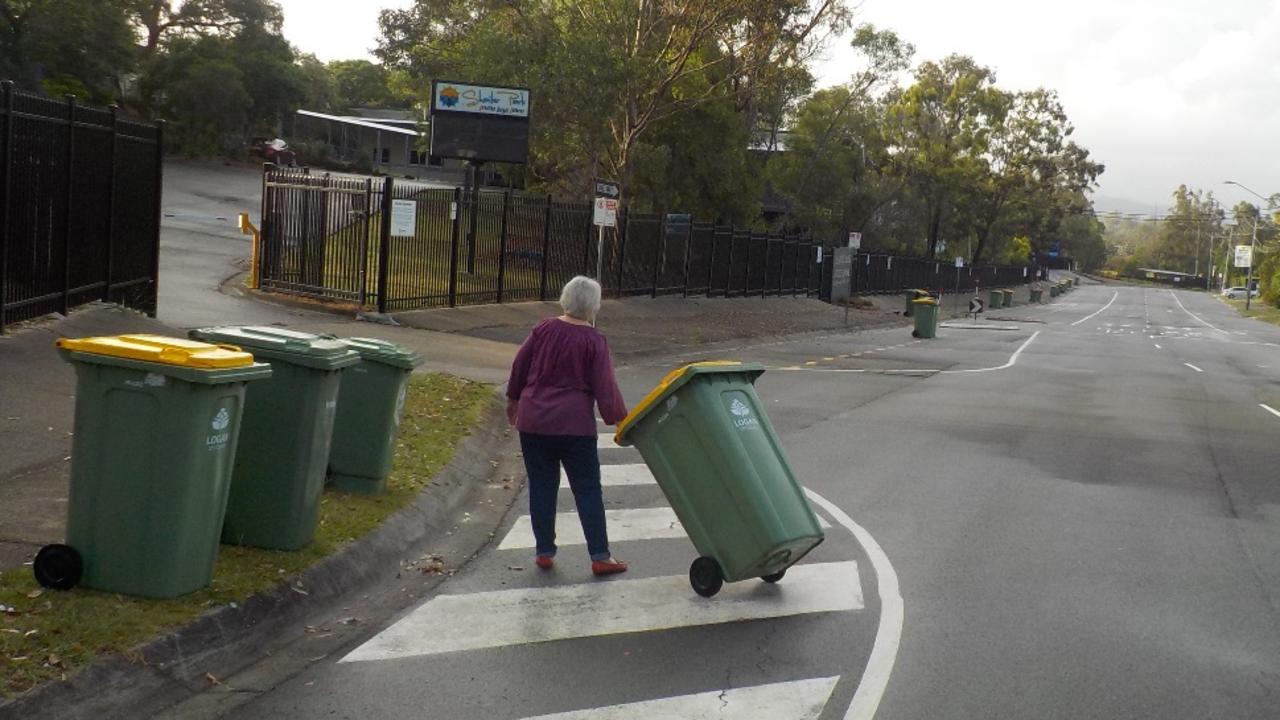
[[180, 443]]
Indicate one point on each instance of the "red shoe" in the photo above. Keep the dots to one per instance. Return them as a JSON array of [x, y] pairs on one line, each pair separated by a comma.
[[612, 566], [545, 561]]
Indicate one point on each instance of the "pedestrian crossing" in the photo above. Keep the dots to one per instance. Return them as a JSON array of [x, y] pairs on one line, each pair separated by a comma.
[[799, 700], [547, 611], [619, 475]]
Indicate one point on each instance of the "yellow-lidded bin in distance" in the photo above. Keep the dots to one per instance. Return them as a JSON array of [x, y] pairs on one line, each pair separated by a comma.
[[704, 435], [157, 420]]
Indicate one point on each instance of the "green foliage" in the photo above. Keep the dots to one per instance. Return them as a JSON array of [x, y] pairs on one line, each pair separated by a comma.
[[360, 83], [66, 46]]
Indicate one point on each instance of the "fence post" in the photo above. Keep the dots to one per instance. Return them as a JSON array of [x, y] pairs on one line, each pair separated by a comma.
[[384, 247], [454, 241], [622, 247], [155, 248], [6, 173], [266, 225], [688, 249], [70, 199], [502, 244], [662, 254], [711, 262], [363, 296], [108, 271], [546, 251]]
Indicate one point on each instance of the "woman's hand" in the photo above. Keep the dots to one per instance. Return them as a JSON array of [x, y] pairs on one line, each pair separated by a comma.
[[513, 407]]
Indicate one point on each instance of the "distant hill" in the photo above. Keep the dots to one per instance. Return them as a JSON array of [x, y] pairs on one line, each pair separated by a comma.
[[1106, 204]]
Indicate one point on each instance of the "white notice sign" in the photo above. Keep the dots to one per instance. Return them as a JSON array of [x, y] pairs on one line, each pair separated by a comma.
[[1244, 256], [959, 261], [855, 240], [606, 214], [404, 217]]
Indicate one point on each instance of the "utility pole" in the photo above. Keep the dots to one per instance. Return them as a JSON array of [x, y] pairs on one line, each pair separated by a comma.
[[1248, 278]]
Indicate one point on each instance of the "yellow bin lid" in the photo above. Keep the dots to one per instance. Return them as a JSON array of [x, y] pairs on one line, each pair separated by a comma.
[[674, 379], [161, 349]]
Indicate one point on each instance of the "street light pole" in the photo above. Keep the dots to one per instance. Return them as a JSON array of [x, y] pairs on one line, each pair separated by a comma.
[[1253, 244]]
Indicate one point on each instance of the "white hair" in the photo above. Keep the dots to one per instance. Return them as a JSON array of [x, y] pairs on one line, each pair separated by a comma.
[[580, 298]]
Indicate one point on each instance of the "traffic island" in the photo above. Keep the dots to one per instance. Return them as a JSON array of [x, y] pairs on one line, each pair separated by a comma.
[[47, 636]]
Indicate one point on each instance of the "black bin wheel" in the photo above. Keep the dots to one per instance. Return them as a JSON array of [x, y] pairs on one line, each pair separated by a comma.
[[774, 577], [58, 567], [705, 577]]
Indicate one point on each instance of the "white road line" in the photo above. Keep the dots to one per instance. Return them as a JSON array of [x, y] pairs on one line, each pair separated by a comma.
[[884, 651], [1269, 409], [619, 475], [800, 699], [451, 623], [1197, 317], [1193, 367], [625, 525], [1013, 359], [1103, 308], [1158, 347]]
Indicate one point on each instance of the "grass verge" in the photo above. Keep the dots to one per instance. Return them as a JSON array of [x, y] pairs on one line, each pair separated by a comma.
[[45, 635], [1258, 309]]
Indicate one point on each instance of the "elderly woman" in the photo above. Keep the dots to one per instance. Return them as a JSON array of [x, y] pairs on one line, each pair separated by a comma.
[[561, 373]]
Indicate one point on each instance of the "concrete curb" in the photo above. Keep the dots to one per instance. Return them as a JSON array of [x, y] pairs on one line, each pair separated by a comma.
[[173, 667]]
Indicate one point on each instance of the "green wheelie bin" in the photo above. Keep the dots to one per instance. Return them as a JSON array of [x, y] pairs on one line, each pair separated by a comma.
[[926, 315], [704, 435], [1035, 295], [370, 408], [995, 300], [1008, 297], [912, 296], [284, 447], [156, 425], [1053, 291]]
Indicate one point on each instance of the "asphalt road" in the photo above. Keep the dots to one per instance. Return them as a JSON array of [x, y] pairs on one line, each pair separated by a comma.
[[1078, 509]]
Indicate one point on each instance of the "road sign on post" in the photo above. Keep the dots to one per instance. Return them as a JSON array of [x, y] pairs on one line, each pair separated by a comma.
[[606, 212], [607, 189], [1244, 256], [959, 262]]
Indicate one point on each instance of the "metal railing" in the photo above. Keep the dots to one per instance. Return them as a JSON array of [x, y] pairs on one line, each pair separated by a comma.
[[79, 206], [401, 245]]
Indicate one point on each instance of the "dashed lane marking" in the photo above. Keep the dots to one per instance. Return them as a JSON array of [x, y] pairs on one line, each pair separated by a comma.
[[1193, 367], [1269, 409], [501, 618]]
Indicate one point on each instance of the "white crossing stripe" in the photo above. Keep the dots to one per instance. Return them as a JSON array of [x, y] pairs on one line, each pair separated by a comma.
[[619, 475], [604, 441], [797, 700], [659, 523], [500, 618]]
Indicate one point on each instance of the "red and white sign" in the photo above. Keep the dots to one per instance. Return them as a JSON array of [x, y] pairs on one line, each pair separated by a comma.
[[606, 214]]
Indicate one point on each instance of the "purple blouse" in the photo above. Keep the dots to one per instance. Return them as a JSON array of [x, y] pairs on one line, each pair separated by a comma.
[[560, 372]]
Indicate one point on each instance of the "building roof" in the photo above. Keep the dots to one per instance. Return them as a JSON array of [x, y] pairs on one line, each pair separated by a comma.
[[384, 114], [359, 123]]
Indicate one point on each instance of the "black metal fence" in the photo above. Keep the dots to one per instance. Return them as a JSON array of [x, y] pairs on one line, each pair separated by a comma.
[[79, 206], [401, 245], [880, 273]]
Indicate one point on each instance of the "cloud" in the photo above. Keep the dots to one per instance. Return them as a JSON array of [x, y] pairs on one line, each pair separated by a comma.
[[1163, 93]]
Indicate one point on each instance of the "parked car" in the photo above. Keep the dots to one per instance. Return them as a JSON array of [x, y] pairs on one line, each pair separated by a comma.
[[274, 150], [1237, 292]]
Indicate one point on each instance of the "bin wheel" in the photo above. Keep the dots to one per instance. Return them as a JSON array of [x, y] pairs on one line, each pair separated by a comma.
[[915, 334], [58, 567], [705, 577], [774, 577]]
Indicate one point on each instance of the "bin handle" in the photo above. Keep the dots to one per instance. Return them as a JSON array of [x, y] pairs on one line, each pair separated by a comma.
[[229, 348]]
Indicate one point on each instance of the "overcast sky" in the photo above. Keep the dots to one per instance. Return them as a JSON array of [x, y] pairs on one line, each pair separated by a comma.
[[1161, 92]]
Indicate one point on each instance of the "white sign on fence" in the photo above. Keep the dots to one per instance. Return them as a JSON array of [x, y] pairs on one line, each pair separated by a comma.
[[959, 261], [404, 217], [855, 240], [606, 214], [1244, 256]]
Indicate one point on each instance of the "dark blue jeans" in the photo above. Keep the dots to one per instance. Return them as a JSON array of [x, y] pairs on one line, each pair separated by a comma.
[[543, 456]]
